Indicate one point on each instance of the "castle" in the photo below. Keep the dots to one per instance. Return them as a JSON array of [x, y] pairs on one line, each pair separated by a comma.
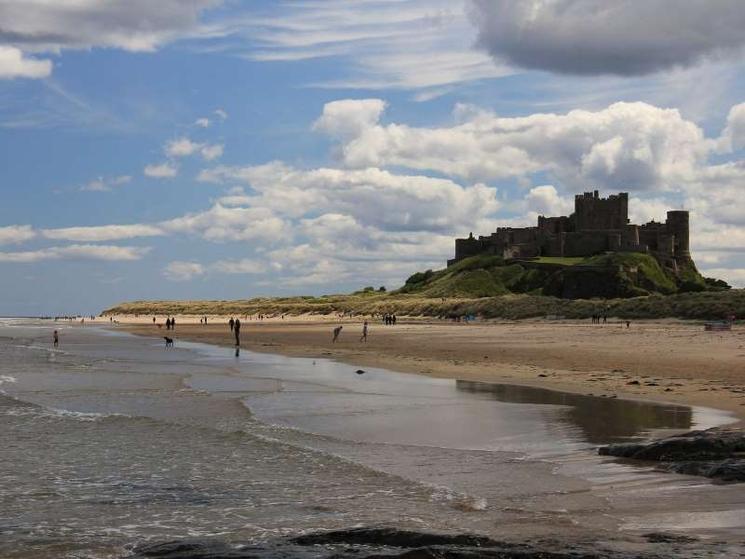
[[597, 225]]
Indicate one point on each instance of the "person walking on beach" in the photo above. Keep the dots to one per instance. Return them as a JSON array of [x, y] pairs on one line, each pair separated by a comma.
[[168, 323], [231, 322], [363, 338], [56, 338], [173, 324], [237, 332], [337, 331]]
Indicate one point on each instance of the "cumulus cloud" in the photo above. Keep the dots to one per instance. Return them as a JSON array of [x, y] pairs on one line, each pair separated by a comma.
[[202, 122], [165, 170], [221, 114], [372, 196], [545, 200], [184, 147], [103, 184], [220, 223], [13, 234], [599, 37], [733, 136], [349, 117], [181, 147], [77, 252], [180, 270], [626, 145], [15, 64]]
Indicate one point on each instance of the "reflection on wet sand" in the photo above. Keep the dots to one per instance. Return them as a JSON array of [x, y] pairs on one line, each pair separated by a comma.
[[600, 419]]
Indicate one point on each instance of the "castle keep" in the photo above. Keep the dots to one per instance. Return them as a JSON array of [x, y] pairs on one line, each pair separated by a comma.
[[597, 225]]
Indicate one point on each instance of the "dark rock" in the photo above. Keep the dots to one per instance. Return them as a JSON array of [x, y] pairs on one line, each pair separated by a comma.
[[661, 537], [624, 450], [633, 382], [371, 543], [392, 538], [360, 372], [715, 453]]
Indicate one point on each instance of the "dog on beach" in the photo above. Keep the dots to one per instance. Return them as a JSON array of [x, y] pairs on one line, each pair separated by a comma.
[[169, 341]]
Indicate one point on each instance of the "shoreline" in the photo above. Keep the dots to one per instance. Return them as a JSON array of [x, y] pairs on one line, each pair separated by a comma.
[[664, 362]]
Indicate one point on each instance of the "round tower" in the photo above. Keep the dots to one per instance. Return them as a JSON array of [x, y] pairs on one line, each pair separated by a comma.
[[677, 224]]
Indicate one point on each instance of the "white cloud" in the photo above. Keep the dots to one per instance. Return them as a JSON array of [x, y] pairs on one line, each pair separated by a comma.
[[76, 252], [600, 37], [102, 232], [15, 64], [184, 147], [230, 224], [181, 147], [349, 118], [419, 44], [135, 25], [372, 196], [221, 114], [545, 200], [202, 122], [161, 171], [102, 184], [627, 145], [183, 271], [733, 136], [13, 234], [211, 152]]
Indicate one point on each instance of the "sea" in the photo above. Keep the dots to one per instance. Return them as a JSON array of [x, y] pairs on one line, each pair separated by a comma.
[[111, 441]]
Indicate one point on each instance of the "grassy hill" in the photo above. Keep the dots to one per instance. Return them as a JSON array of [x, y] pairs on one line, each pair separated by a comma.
[[620, 285], [612, 275]]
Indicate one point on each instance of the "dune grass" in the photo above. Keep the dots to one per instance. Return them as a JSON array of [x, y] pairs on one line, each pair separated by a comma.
[[699, 306]]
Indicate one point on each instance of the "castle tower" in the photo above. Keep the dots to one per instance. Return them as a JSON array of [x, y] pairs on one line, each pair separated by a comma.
[[677, 224], [591, 212]]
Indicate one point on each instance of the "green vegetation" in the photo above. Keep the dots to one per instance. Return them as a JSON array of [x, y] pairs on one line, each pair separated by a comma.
[[625, 285], [701, 306], [560, 260]]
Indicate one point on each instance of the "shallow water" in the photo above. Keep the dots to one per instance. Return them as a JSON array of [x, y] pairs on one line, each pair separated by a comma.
[[111, 441]]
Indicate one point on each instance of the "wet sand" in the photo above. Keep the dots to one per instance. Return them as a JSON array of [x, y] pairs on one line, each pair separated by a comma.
[[662, 361]]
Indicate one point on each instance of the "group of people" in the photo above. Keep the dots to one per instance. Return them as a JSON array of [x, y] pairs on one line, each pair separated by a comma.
[[389, 319], [170, 323], [596, 318], [203, 321], [363, 337]]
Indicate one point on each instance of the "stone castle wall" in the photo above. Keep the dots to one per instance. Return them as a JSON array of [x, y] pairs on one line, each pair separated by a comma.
[[597, 225]]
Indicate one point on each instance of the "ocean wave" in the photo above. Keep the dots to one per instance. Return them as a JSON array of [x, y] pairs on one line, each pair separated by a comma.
[[27, 409]]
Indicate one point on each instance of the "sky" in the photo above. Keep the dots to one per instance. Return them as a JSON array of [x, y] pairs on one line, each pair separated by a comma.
[[223, 149]]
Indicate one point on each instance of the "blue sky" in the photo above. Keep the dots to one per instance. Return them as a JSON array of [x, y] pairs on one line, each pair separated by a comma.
[[207, 149]]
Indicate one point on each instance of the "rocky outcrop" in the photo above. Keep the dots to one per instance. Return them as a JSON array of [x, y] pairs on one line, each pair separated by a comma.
[[372, 543], [717, 453]]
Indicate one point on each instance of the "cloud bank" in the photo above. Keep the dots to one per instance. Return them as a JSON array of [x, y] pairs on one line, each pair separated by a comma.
[[594, 37]]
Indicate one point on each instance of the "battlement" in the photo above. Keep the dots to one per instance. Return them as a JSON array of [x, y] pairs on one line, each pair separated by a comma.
[[597, 225]]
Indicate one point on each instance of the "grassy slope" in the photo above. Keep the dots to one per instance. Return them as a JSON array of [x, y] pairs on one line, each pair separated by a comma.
[[705, 306], [485, 286]]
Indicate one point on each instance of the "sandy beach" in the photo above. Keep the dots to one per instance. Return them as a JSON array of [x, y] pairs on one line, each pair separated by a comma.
[[669, 361]]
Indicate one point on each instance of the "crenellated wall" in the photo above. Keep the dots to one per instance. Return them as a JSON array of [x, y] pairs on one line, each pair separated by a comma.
[[597, 225]]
